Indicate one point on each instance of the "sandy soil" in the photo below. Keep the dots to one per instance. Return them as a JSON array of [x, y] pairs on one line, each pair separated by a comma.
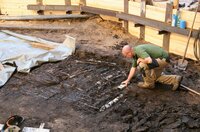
[[67, 95]]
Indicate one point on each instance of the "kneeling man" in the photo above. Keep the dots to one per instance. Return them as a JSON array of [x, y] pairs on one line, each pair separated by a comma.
[[151, 60]]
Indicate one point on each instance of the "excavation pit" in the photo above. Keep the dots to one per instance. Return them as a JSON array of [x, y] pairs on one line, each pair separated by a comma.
[[67, 95]]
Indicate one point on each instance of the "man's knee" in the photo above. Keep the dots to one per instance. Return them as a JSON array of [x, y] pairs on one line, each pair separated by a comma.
[[143, 68]]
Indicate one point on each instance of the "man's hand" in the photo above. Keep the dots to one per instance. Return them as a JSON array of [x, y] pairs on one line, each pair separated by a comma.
[[139, 60], [131, 74], [126, 82]]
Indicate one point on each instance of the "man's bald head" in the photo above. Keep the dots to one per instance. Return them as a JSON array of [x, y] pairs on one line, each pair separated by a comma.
[[126, 48], [127, 51]]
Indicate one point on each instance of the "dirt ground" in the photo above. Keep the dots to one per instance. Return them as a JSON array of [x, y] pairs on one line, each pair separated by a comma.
[[67, 95]]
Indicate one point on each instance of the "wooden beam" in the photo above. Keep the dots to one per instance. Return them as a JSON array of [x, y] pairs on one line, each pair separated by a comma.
[[98, 11], [142, 14], [138, 25], [53, 7], [24, 27], [156, 24], [44, 17], [160, 32], [168, 18], [137, 19], [42, 46], [126, 11]]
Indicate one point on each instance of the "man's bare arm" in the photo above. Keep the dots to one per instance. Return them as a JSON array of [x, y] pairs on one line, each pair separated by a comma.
[[130, 76]]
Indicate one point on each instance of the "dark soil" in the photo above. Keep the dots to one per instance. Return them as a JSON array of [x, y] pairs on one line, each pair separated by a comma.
[[67, 95]]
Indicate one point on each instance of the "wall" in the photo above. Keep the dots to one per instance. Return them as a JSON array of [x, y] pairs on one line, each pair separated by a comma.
[[16, 7]]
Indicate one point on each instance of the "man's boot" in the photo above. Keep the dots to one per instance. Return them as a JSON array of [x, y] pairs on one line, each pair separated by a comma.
[[146, 85], [177, 82], [170, 80]]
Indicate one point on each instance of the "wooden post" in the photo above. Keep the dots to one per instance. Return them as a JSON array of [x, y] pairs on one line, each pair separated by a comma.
[[40, 2], [176, 4], [83, 2], [126, 11], [142, 14], [68, 2], [168, 18]]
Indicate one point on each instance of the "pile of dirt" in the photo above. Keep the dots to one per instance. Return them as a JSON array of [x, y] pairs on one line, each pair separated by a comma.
[[68, 95]]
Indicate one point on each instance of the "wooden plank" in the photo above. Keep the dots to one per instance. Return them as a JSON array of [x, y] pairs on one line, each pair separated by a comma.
[[31, 129], [53, 7], [187, 15], [178, 44], [98, 11], [152, 36], [142, 14], [168, 13], [33, 27], [155, 24], [42, 46], [126, 11], [168, 18], [43, 17]]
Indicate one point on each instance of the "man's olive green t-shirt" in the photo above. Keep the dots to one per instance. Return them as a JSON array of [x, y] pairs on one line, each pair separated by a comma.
[[148, 50]]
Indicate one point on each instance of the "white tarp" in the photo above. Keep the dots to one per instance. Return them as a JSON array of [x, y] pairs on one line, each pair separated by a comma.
[[19, 52]]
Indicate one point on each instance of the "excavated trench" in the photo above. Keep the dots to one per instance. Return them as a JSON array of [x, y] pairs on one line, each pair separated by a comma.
[[68, 95]]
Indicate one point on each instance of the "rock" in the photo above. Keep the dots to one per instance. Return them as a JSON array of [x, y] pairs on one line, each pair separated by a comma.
[[127, 118], [135, 113], [135, 119], [193, 124], [175, 124], [81, 54], [185, 119], [116, 36], [169, 130], [167, 121], [65, 85], [142, 129]]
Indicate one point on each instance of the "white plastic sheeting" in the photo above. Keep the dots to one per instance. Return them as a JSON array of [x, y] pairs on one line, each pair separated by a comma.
[[18, 51]]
